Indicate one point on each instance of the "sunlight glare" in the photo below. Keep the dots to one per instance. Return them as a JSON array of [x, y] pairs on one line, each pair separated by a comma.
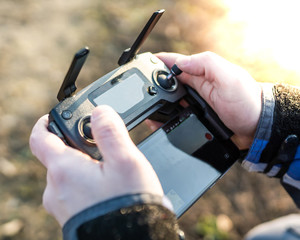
[[270, 27]]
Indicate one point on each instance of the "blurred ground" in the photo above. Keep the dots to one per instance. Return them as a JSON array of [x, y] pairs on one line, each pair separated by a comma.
[[38, 40]]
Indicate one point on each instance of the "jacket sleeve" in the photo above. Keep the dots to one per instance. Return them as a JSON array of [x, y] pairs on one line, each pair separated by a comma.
[[138, 216], [280, 119]]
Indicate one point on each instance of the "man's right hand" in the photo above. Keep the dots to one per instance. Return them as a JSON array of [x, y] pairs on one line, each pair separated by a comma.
[[230, 90]]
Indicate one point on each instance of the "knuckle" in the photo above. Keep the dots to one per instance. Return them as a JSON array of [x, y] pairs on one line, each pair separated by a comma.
[[131, 160], [57, 172], [208, 56]]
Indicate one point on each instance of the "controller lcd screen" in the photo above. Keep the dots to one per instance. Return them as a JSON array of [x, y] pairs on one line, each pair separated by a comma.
[[124, 95], [171, 151]]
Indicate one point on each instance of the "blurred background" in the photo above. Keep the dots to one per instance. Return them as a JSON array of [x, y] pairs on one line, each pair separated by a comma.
[[38, 40]]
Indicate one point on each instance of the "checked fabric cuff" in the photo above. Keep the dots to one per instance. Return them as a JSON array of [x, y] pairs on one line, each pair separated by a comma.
[[111, 208], [280, 117]]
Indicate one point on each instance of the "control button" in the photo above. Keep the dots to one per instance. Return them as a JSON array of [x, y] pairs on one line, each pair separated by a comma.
[[67, 114], [154, 60], [85, 131], [52, 127], [161, 79], [152, 90]]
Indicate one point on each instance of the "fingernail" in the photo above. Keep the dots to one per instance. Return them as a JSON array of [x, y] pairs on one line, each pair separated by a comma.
[[102, 112], [183, 61]]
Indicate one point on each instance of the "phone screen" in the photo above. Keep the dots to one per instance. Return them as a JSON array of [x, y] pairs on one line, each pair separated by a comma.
[[187, 158]]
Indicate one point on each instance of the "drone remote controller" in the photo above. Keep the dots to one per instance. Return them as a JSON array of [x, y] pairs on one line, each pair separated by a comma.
[[191, 140]]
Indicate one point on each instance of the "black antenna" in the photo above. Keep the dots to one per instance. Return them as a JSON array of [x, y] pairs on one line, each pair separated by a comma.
[[68, 86], [130, 53]]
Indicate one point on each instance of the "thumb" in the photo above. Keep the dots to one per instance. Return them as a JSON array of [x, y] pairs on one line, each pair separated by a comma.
[[110, 134]]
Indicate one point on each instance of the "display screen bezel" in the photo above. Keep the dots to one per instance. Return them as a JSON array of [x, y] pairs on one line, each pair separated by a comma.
[[214, 156], [110, 85]]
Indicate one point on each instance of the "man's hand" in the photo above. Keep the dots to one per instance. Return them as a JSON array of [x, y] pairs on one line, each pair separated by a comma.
[[75, 181], [233, 94]]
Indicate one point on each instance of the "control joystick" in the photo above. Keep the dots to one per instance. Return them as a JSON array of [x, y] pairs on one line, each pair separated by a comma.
[[85, 130], [163, 81]]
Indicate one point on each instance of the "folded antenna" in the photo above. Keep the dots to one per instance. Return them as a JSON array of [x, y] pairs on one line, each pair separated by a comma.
[[68, 86]]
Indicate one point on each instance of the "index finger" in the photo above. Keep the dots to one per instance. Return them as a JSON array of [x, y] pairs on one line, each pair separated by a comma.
[[168, 58], [43, 144]]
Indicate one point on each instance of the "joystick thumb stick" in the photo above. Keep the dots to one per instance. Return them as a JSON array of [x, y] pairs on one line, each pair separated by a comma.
[[175, 70], [164, 81], [167, 81]]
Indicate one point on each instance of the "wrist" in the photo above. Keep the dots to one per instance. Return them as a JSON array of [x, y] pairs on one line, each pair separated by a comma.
[[242, 142], [250, 121]]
